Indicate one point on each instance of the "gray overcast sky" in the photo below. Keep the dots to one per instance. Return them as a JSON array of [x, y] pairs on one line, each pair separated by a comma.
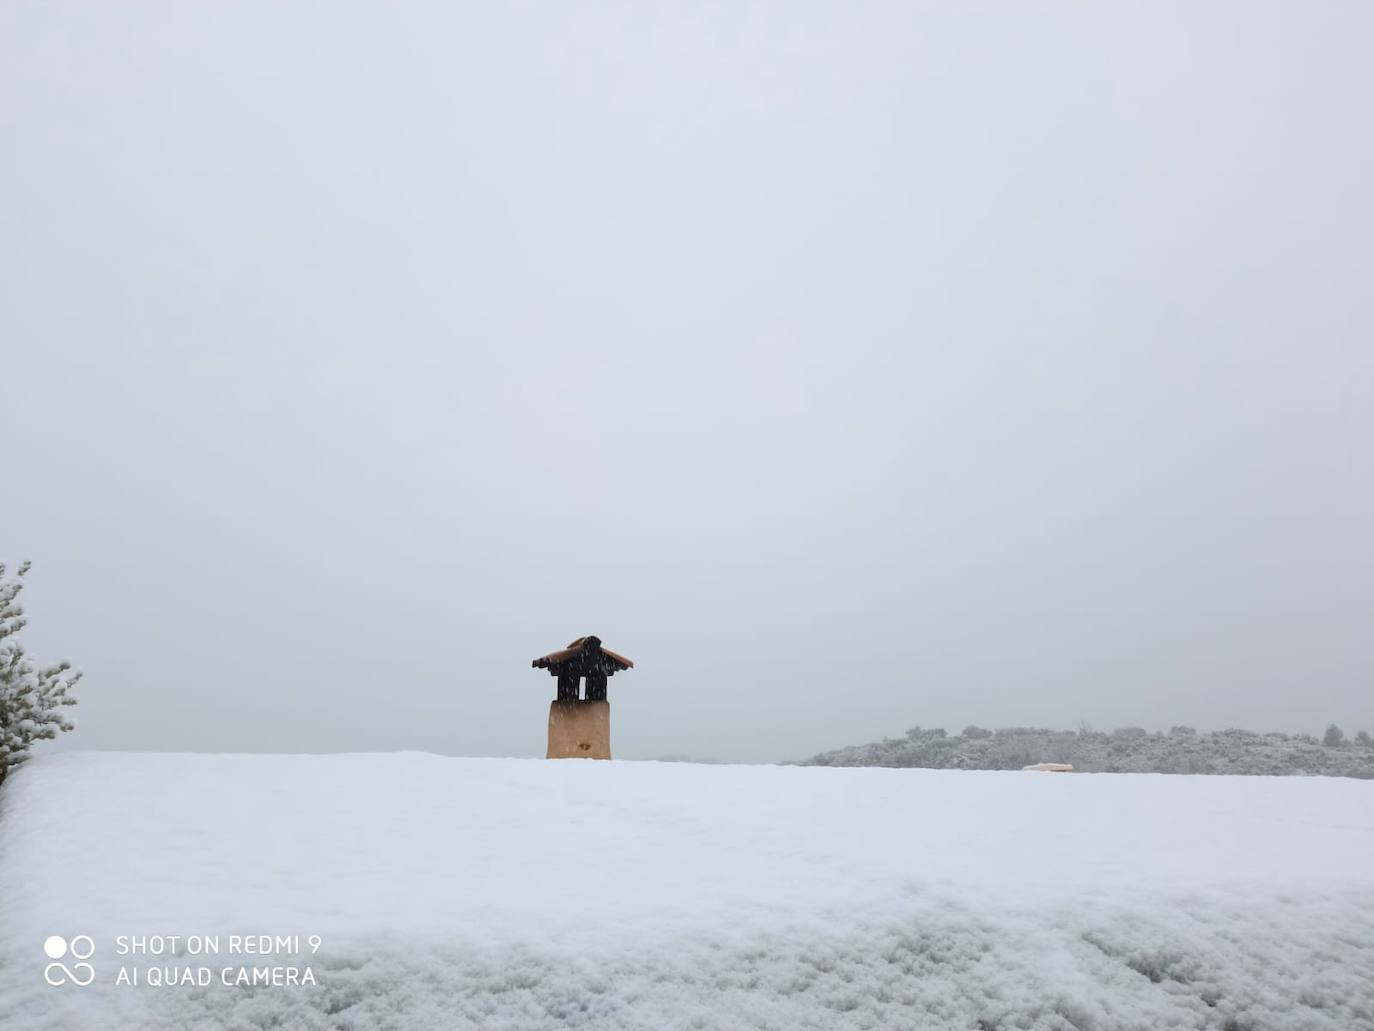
[[848, 366]]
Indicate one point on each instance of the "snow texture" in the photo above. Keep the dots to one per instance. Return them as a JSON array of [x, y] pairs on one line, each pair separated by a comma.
[[525, 894]]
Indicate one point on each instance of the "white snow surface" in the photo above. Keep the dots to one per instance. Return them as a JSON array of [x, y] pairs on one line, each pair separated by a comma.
[[527, 894]]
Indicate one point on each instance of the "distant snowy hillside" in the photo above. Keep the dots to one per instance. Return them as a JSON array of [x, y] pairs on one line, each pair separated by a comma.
[[1126, 750], [512, 894]]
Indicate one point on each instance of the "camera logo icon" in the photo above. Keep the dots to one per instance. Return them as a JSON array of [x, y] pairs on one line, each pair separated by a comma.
[[79, 948]]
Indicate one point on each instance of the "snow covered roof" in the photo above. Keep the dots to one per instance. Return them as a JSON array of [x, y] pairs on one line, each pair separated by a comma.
[[753, 898], [585, 655]]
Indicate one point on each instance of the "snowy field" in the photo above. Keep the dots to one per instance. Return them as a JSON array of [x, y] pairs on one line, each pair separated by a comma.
[[512, 894]]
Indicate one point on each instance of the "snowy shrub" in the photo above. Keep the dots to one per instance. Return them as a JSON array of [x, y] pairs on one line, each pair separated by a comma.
[[32, 698], [1182, 731], [974, 733], [1362, 738], [1334, 737]]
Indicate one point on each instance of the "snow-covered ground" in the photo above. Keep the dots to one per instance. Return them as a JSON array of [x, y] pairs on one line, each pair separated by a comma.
[[503, 893]]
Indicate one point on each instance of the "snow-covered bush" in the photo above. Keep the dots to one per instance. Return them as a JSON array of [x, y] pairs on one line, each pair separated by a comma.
[[1334, 737], [32, 698]]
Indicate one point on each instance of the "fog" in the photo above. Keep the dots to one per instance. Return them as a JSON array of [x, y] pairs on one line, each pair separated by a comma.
[[848, 367]]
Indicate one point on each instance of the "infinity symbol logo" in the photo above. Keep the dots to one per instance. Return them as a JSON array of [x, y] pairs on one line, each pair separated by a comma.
[[80, 974]]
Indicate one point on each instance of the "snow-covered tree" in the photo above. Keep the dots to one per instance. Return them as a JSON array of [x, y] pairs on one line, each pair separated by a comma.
[[32, 698], [1334, 737]]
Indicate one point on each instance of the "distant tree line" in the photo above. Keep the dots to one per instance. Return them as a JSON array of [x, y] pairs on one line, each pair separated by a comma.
[[1124, 750]]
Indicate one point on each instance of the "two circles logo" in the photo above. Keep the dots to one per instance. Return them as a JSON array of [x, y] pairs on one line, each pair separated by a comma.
[[79, 948]]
